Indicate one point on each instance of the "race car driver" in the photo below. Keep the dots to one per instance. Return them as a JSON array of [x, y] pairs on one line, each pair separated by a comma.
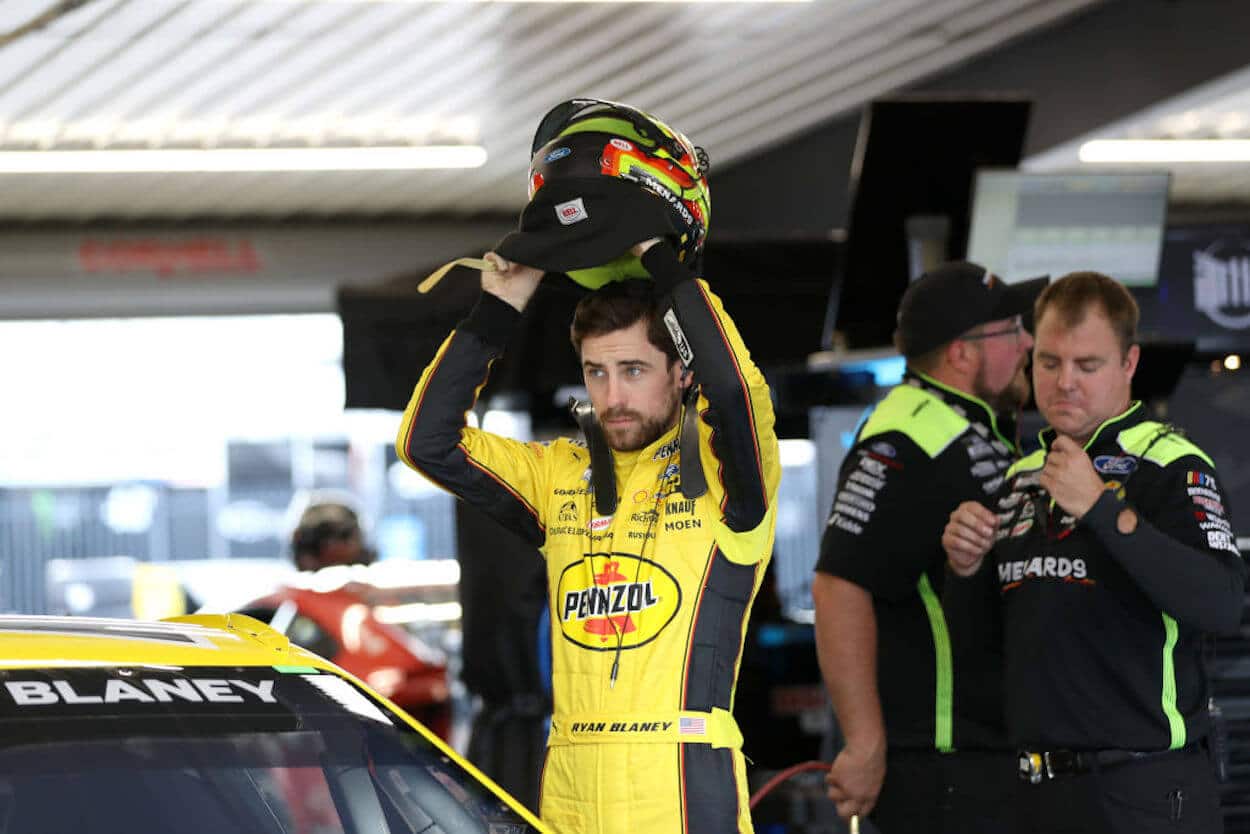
[[656, 529], [1112, 555]]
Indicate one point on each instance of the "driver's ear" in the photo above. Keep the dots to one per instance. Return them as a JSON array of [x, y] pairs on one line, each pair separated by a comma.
[[687, 377]]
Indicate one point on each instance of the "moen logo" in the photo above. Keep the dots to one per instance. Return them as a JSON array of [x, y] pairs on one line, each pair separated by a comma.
[[607, 597]]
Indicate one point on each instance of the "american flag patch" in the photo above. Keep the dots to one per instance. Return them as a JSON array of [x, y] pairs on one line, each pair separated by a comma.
[[691, 726]]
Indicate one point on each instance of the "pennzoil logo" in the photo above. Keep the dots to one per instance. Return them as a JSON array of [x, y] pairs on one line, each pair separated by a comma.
[[625, 598]]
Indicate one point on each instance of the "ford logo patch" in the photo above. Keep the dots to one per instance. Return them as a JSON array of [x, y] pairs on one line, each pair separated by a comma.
[[1113, 465], [558, 153]]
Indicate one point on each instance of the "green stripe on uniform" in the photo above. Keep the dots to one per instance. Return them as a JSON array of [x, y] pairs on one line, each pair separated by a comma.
[[943, 720], [1175, 722]]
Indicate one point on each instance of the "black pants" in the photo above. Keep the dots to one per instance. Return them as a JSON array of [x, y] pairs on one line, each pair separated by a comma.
[[926, 792], [1174, 793]]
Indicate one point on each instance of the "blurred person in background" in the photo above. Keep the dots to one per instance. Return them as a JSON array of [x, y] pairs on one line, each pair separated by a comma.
[[919, 703], [328, 533]]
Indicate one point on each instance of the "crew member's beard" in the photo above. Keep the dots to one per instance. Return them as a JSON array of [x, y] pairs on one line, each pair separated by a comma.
[[641, 433], [1009, 399]]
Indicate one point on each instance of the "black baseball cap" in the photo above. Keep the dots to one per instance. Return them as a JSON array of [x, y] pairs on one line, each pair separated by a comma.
[[952, 298], [580, 223]]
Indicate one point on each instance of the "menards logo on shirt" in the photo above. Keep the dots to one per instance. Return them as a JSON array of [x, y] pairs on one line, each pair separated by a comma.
[[604, 598]]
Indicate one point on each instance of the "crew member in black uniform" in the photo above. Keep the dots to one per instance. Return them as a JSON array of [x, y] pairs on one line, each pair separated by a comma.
[[908, 692], [1113, 555]]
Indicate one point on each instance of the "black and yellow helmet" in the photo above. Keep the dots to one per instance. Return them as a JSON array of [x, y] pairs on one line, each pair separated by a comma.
[[603, 177]]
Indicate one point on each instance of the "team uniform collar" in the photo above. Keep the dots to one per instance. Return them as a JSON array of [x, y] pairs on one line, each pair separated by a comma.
[[1110, 427], [966, 405]]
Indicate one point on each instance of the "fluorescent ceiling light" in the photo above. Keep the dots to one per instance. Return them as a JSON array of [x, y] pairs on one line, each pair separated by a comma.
[[225, 160], [1166, 150]]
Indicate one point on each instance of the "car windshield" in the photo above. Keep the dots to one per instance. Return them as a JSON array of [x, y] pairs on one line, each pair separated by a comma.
[[224, 750]]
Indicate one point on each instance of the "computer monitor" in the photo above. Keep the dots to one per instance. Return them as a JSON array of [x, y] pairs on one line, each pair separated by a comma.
[[1029, 224]]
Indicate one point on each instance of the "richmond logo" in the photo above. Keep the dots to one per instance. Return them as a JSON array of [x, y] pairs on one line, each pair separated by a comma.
[[609, 597]]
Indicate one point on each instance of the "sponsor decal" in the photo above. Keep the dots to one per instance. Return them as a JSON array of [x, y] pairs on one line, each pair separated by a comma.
[[35, 693], [1015, 532], [979, 449], [859, 489], [853, 512], [558, 153], [582, 491], [984, 469], [1032, 478], [621, 144], [1116, 487], [627, 599], [1043, 567], [679, 338], [571, 211], [683, 524], [1200, 479], [1010, 500], [645, 517], [568, 511], [641, 496], [1208, 504], [1206, 521], [684, 506], [1115, 464], [883, 448], [666, 451], [856, 501], [586, 475], [670, 471], [843, 523], [861, 477], [1204, 492], [872, 466], [598, 525], [1222, 540], [662, 191]]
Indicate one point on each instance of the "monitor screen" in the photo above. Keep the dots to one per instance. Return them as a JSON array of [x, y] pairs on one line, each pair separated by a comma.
[[1025, 225]]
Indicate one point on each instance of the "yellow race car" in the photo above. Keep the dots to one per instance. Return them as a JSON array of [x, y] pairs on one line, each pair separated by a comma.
[[216, 724]]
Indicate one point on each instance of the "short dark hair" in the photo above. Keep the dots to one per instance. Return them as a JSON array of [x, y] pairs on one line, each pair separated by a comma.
[[617, 306], [1073, 295]]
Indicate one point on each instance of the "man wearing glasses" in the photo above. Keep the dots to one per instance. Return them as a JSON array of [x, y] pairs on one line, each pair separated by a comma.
[[908, 691]]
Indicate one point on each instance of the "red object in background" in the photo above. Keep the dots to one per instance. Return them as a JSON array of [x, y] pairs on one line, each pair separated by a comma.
[[340, 626], [167, 258]]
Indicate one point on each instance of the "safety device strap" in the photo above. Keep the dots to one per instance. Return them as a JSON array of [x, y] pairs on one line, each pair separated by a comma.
[[602, 471], [437, 275]]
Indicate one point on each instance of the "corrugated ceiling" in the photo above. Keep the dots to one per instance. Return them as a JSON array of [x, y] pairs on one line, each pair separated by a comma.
[[736, 77]]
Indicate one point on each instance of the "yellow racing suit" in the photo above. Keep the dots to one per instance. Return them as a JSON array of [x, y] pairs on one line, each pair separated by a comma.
[[649, 605]]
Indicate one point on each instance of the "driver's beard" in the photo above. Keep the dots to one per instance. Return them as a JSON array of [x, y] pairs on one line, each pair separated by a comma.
[[646, 431]]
